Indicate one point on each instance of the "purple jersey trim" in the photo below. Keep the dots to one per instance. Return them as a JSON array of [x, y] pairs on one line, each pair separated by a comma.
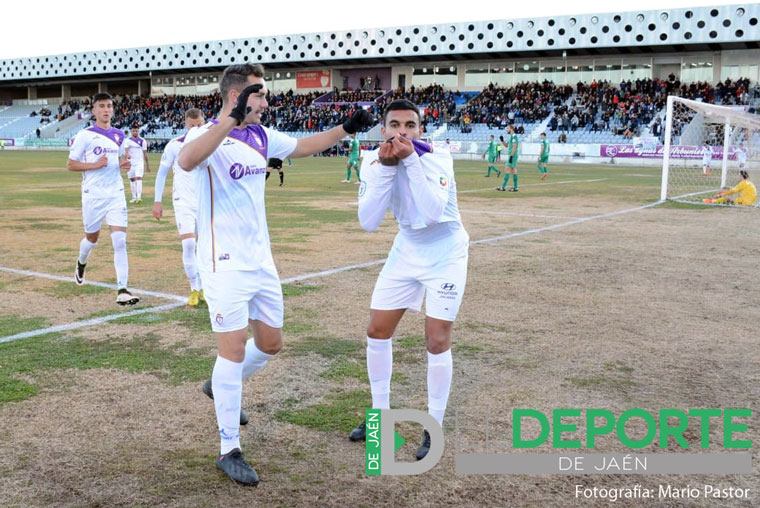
[[253, 135], [114, 135], [421, 148]]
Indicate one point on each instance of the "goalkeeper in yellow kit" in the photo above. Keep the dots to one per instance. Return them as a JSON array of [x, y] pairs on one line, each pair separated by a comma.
[[747, 194]]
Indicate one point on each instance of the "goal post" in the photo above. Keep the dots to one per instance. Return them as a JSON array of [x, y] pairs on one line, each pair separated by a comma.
[[704, 147]]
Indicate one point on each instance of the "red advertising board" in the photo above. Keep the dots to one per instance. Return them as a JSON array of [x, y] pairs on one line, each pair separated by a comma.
[[313, 79]]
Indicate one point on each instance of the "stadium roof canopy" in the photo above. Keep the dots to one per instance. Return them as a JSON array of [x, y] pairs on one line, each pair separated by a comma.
[[636, 32]]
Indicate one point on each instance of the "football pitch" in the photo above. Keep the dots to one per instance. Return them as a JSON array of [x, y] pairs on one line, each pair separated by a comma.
[[582, 292]]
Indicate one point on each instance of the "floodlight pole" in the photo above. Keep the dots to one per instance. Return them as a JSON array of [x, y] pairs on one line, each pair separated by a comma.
[[666, 148]]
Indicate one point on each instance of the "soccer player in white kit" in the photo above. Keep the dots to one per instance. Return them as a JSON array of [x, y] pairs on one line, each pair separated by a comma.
[[428, 258], [741, 156], [95, 153], [136, 148], [707, 153], [239, 277], [185, 203]]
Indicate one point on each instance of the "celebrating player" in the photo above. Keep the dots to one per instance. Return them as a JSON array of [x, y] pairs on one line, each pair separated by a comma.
[[512, 153], [428, 258], [95, 153], [543, 157], [136, 148], [234, 255], [185, 204], [747, 193], [353, 161], [492, 153]]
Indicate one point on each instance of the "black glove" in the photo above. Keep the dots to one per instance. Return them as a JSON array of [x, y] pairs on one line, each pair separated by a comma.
[[501, 138], [241, 109], [360, 120]]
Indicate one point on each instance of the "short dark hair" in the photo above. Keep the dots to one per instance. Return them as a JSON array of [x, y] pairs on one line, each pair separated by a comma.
[[543, 134], [135, 126], [102, 96], [236, 77], [402, 105], [193, 113]]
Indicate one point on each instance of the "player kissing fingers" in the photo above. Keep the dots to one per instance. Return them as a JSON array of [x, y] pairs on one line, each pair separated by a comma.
[[402, 147]]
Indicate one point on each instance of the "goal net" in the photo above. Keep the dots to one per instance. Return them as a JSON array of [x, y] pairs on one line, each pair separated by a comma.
[[705, 147]]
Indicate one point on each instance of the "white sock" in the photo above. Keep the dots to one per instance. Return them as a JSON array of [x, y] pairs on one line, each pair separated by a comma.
[[440, 369], [138, 185], [119, 241], [85, 247], [254, 359], [379, 368], [132, 188], [188, 259], [227, 385]]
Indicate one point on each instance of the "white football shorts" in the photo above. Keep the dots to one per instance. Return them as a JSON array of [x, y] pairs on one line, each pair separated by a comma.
[[236, 296], [412, 270], [113, 210], [136, 172], [186, 217]]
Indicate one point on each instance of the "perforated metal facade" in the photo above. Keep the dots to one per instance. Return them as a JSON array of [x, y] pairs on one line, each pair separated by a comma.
[[734, 26]]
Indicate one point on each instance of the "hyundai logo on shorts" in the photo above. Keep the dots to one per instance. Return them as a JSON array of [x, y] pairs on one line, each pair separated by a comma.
[[238, 171], [448, 286]]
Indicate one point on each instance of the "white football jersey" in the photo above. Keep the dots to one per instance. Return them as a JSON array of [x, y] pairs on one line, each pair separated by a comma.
[[420, 190], [134, 148], [91, 144], [183, 182], [741, 155], [232, 223]]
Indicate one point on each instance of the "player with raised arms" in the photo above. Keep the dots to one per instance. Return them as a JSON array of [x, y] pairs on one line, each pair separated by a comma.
[[238, 274]]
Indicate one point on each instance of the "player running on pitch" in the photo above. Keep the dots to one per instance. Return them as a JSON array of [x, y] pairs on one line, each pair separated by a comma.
[[95, 153], [185, 203], [137, 150]]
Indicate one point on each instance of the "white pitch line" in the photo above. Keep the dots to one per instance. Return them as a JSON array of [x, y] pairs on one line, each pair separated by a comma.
[[565, 224], [538, 184], [520, 214], [89, 322], [297, 278], [98, 284]]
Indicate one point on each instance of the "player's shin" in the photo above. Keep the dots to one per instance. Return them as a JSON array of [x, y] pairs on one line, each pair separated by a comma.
[[227, 385], [120, 263], [85, 247], [188, 260], [380, 368], [440, 369]]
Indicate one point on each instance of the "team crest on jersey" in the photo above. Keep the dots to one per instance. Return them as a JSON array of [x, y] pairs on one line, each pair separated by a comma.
[[118, 139], [444, 181], [219, 319]]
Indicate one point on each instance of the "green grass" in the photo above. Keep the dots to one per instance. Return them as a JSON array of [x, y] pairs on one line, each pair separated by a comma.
[[328, 347], [68, 290], [12, 324], [339, 412], [141, 353], [299, 289]]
